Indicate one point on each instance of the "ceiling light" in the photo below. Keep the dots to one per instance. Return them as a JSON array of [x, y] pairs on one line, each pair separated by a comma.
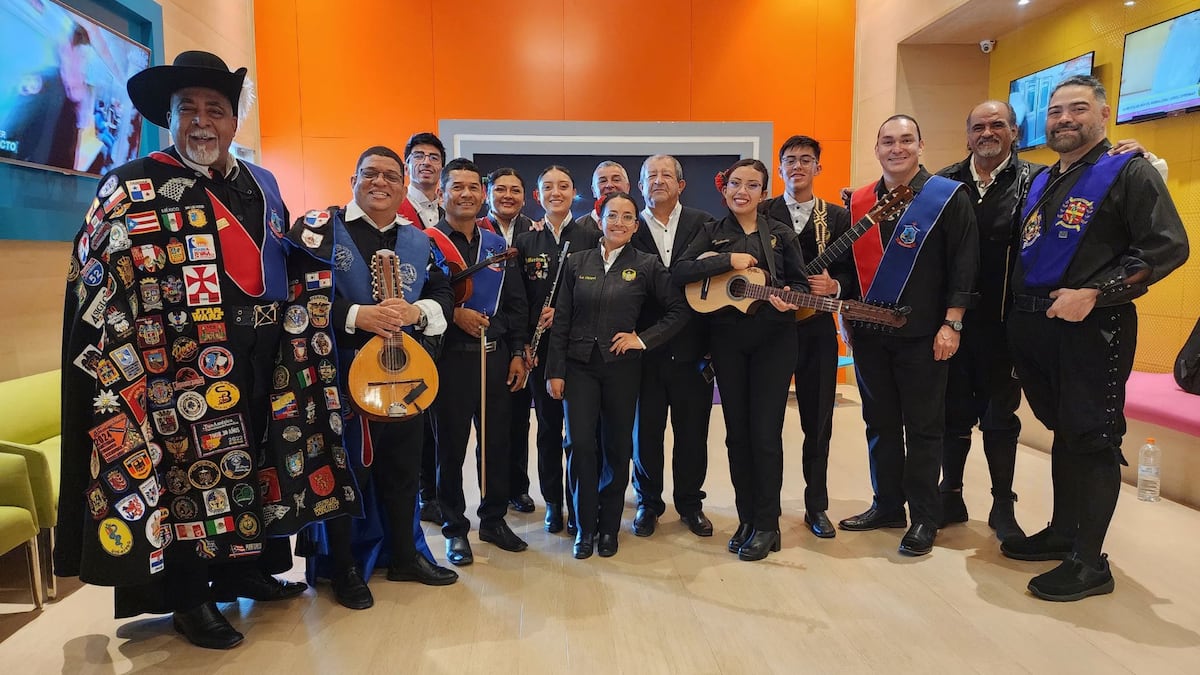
[[1021, 3], [1130, 3]]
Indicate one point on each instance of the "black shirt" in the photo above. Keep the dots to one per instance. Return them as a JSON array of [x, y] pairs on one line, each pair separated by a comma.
[[537, 258], [1136, 230]]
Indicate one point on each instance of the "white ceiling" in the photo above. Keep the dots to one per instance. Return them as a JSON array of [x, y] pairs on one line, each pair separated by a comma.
[[977, 20]]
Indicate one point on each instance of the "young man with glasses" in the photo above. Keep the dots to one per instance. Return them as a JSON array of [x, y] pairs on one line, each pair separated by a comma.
[[424, 155], [818, 224]]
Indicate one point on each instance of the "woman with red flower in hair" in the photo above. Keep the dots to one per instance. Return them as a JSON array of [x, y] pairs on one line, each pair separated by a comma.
[[754, 354]]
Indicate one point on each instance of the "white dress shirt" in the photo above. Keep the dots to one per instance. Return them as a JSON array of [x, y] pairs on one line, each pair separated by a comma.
[[426, 208], [663, 233]]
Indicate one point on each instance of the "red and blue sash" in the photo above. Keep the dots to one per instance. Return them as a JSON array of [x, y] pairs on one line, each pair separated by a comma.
[[487, 282], [1046, 252], [409, 212], [884, 269], [352, 274]]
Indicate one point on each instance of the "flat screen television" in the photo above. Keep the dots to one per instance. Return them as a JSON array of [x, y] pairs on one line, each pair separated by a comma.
[[1029, 97], [63, 103], [1160, 74]]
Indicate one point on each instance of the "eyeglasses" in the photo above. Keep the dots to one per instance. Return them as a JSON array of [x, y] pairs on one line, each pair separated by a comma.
[[752, 186], [389, 176], [418, 156], [804, 161], [627, 218]]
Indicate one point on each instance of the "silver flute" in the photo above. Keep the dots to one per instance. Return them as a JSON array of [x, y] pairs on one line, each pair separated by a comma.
[[541, 330]]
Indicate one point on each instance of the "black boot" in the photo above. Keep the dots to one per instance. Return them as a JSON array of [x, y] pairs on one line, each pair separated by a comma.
[[1002, 519], [954, 509]]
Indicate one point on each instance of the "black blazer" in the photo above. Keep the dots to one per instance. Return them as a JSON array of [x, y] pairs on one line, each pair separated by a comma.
[[593, 306], [838, 219], [691, 344]]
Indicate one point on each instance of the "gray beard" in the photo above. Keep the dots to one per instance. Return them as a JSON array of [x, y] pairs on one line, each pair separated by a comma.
[[201, 157]]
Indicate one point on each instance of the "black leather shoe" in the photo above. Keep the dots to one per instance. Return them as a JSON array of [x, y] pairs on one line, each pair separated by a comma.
[[554, 518], [644, 522], [205, 626], [431, 512], [759, 545], [350, 589], [422, 570], [819, 524], [522, 503], [607, 546], [583, 546], [572, 528], [954, 509], [1003, 519], [458, 551], [1047, 544], [698, 523], [1073, 580], [918, 540], [500, 534], [743, 532], [873, 519], [255, 585]]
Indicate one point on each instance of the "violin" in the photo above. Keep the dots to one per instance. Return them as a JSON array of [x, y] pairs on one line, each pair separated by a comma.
[[460, 277]]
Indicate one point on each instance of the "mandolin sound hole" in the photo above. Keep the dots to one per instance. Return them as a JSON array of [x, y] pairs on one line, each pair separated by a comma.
[[737, 287], [393, 358]]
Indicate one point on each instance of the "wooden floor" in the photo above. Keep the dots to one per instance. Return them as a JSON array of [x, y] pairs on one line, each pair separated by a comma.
[[675, 603]]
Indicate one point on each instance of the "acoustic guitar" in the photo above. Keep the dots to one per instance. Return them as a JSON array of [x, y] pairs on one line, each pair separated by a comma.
[[886, 208], [744, 289], [391, 379]]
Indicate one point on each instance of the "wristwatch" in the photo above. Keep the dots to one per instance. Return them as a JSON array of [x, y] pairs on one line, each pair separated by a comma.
[[956, 326]]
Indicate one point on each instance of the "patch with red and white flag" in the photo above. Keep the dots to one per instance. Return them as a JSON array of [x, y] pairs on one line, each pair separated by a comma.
[[140, 190], [203, 286]]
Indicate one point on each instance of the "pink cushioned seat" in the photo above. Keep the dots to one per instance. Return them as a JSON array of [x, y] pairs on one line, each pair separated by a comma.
[[1155, 398]]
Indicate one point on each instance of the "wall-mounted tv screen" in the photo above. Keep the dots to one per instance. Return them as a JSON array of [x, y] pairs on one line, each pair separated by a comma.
[[1029, 97], [1161, 71], [63, 102]]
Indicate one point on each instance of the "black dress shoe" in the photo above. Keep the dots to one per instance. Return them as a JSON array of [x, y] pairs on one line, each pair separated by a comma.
[[205, 626], [759, 545], [607, 546], [431, 512], [350, 589], [819, 524], [554, 518], [422, 570], [1073, 580], [255, 585], [522, 503], [743, 532], [1047, 544], [918, 540], [644, 522], [954, 509], [583, 546], [1002, 518], [698, 523], [572, 528], [458, 551], [873, 519], [500, 534]]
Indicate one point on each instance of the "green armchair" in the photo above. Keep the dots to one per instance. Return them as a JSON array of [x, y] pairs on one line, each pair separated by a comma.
[[18, 518]]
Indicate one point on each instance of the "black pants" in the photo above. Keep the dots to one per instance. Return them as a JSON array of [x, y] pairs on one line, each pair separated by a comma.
[[904, 407], [518, 441], [394, 471], [754, 359], [982, 389], [428, 482], [678, 386], [550, 446], [600, 393], [455, 412], [816, 388], [1074, 376]]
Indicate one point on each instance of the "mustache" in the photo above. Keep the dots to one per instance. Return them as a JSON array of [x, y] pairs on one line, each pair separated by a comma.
[[1067, 126]]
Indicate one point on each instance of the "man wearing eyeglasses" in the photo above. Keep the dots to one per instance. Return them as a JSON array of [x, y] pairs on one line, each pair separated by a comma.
[[424, 155], [819, 224], [926, 259], [384, 455], [673, 376], [609, 177]]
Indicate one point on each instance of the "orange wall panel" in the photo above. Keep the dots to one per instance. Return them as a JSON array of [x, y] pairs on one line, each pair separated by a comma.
[[336, 81]]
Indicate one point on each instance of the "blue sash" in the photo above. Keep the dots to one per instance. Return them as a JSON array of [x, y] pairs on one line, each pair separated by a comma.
[[352, 273], [900, 254], [1045, 259], [487, 282], [274, 254]]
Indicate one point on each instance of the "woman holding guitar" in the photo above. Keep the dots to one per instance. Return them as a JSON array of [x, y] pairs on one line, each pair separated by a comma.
[[594, 364], [754, 354]]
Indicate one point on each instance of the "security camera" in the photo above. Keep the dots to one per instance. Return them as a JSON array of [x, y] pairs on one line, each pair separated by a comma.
[[986, 46]]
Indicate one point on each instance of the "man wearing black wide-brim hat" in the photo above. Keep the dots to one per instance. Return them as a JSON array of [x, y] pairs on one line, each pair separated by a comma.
[[193, 422]]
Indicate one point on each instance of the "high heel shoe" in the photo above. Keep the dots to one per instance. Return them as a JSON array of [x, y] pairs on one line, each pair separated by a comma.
[[744, 531], [759, 545]]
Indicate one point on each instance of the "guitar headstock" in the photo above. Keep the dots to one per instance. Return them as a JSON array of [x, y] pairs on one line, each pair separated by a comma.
[[885, 317], [890, 205], [385, 275]]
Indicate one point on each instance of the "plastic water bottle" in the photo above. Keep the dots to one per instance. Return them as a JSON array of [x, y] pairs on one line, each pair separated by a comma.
[[1149, 462]]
